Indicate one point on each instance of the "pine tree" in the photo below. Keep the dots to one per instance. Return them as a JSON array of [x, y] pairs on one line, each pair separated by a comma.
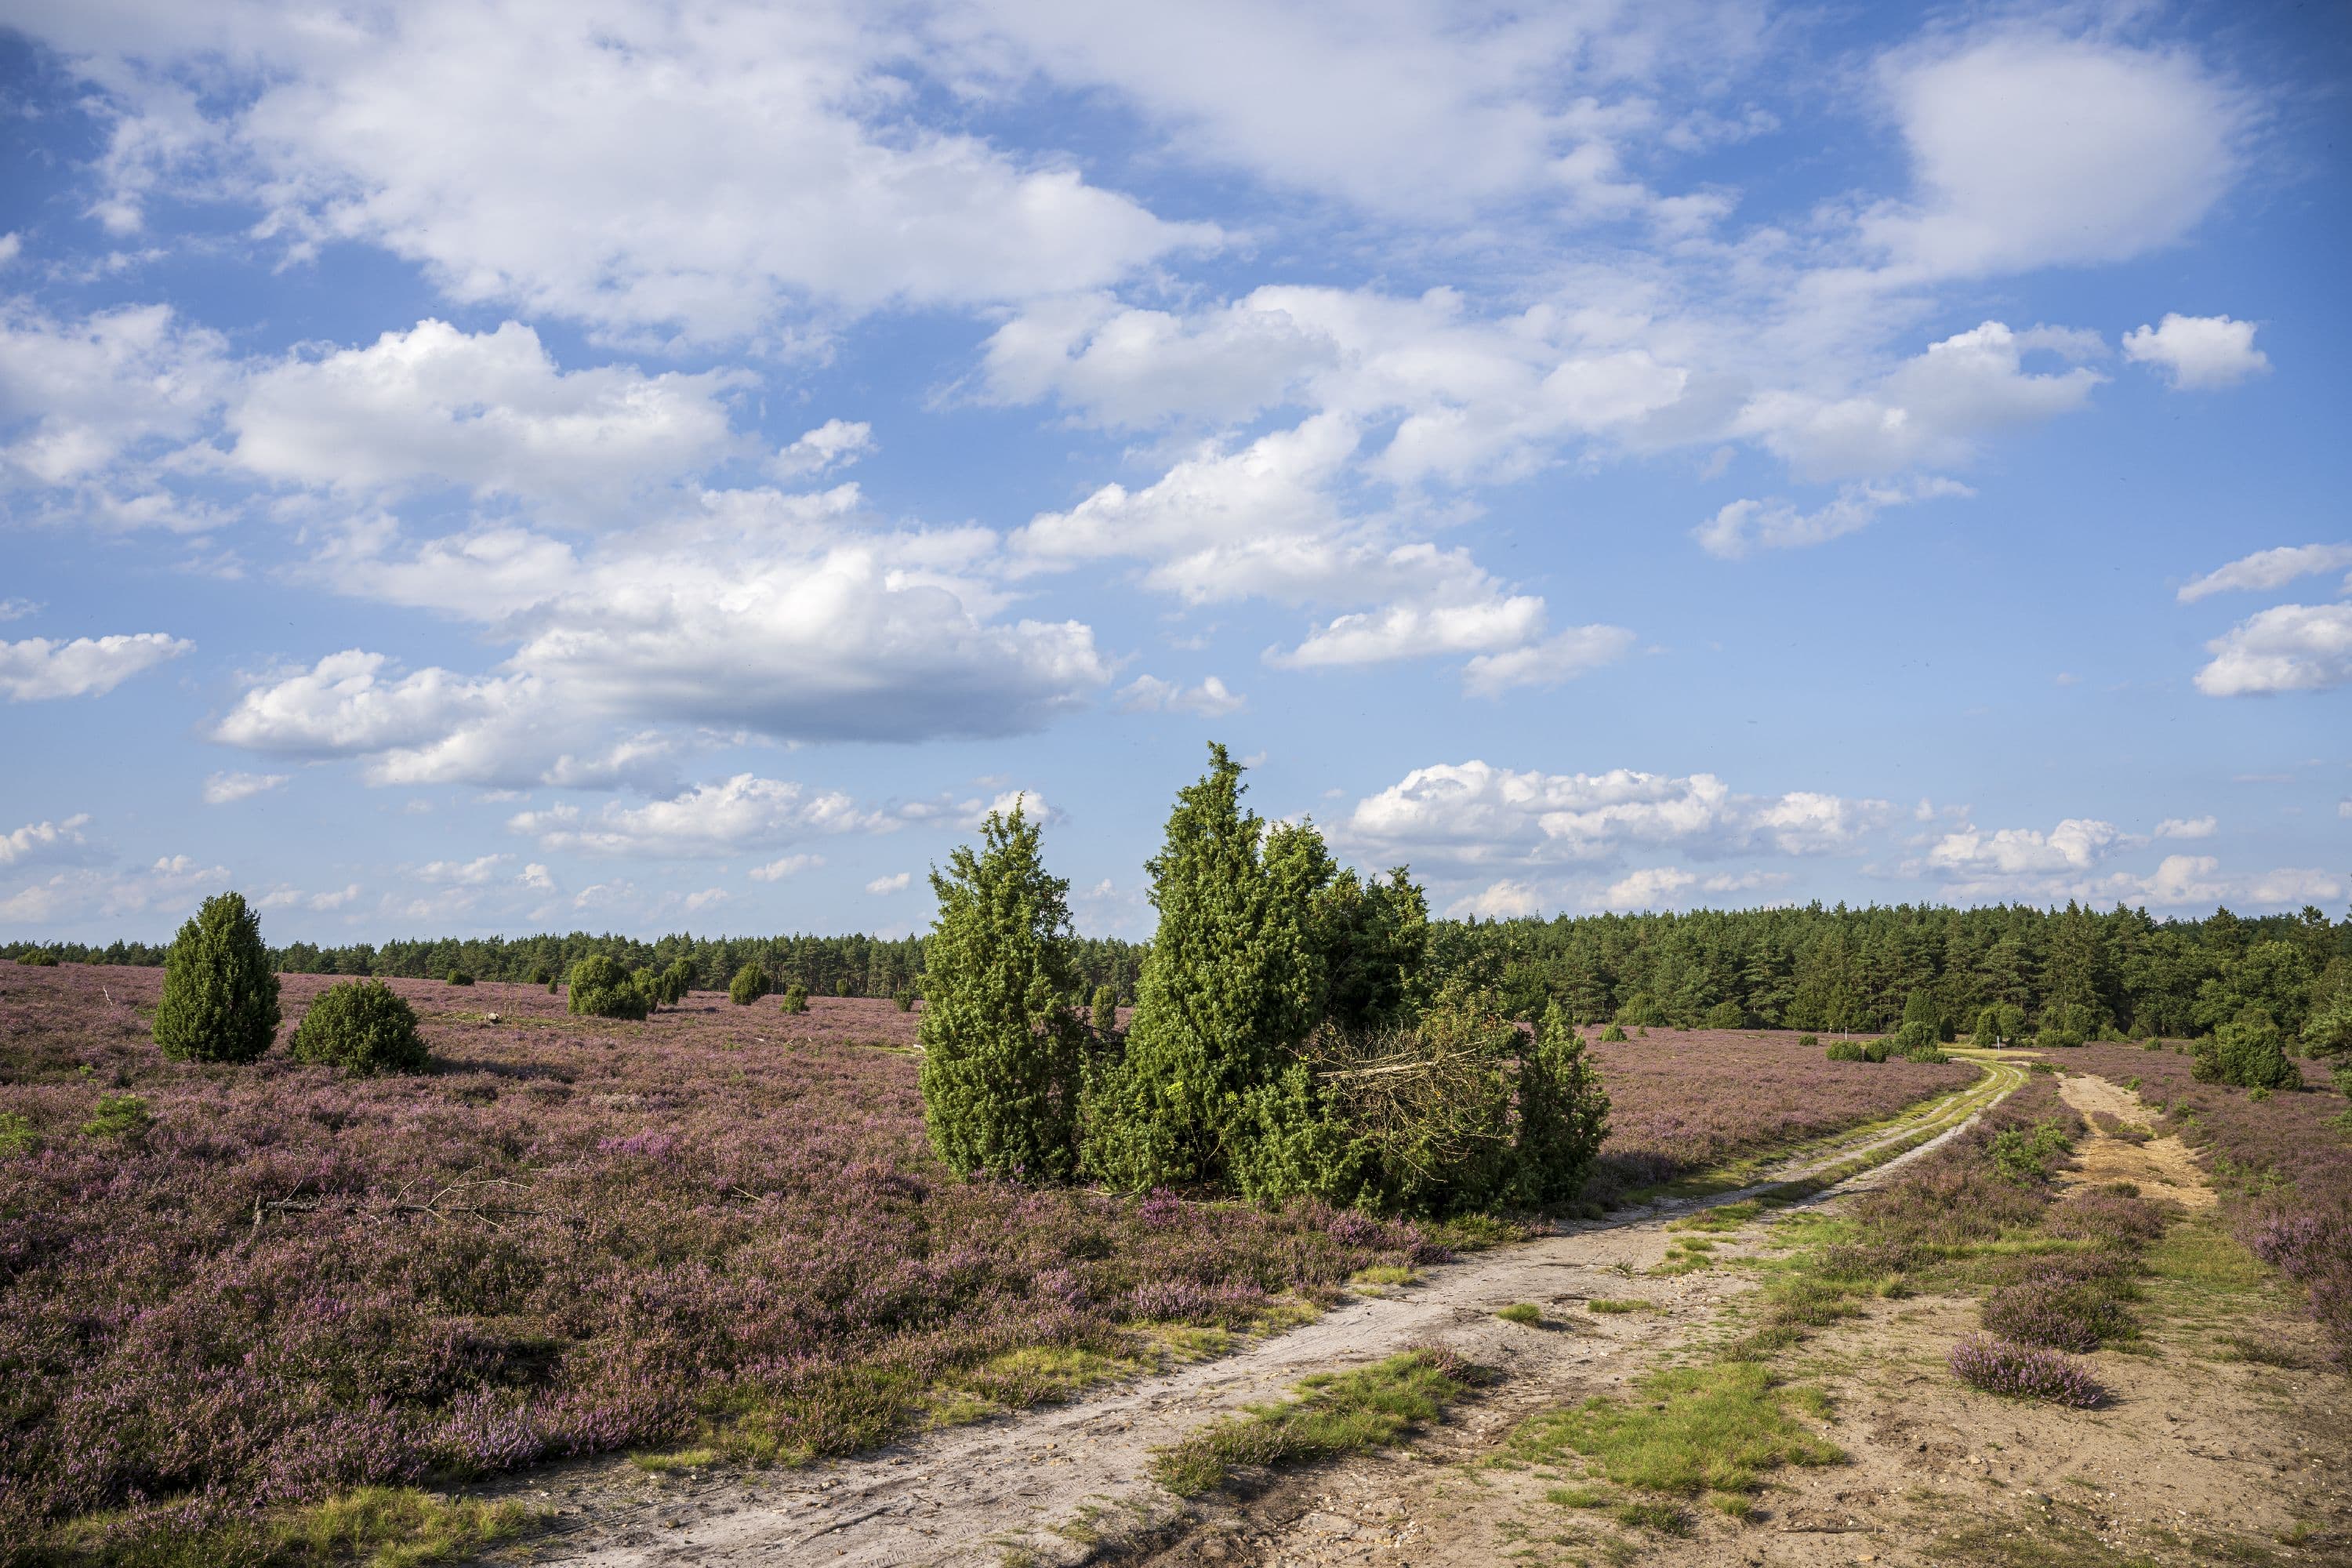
[[220, 995], [1105, 1014], [1001, 1047], [1563, 1112], [1233, 984]]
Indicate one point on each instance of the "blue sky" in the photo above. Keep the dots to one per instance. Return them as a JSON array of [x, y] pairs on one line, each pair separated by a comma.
[[496, 468]]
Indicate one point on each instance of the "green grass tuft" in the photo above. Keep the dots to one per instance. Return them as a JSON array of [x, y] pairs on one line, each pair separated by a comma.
[[1345, 1413], [1526, 1313], [1687, 1430]]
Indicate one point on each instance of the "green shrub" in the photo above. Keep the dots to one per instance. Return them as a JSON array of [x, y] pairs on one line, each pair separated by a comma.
[[1931, 1054], [1724, 1016], [751, 983], [361, 1026], [2248, 1051], [601, 988], [1920, 1008], [459, 977], [1614, 1035], [796, 997], [16, 1135], [554, 988], [1105, 1017], [1808, 1042], [1563, 1112], [678, 982], [1845, 1051], [1001, 1049], [903, 999], [1999, 1023], [2024, 1157], [1916, 1034], [37, 959], [118, 1116], [220, 997], [541, 976], [1873, 1051]]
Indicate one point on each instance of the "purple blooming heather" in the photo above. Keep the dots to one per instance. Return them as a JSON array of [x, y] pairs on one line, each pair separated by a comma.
[[2023, 1372]]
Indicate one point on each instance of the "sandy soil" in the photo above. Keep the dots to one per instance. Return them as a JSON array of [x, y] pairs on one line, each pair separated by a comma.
[[1054, 1485]]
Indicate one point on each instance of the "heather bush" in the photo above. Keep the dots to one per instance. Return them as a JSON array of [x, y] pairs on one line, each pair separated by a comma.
[[796, 998], [459, 977], [601, 988], [2023, 1372], [220, 997], [1845, 1051], [1001, 1048], [2056, 1311], [751, 983], [2246, 1051], [363, 1027]]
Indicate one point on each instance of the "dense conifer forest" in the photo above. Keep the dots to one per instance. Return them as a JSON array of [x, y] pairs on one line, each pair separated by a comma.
[[2121, 973]]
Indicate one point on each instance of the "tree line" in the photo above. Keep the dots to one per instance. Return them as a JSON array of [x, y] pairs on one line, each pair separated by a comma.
[[2120, 973]]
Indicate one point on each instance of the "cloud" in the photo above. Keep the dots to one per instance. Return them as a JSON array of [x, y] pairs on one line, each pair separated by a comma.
[[896, 882], [284, 898], [488, 413], [1472, 814], [1653, 888], [17, 609], [2267, 569], [2289, 647], [2187, 827], [709, 821], [835, 444], [78, 397], [1557, 659], [722, 173], [1507, 900], [1745, 526], [223, 789], [39, 669], [786, 866], [38, 841], [1209, 699], [479, 872], [2199, 351], [2186, 881], [2076, 844], [2032, 150], [171, 883]]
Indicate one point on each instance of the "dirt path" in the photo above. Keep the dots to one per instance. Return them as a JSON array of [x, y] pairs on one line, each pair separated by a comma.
[[1050, 1484]]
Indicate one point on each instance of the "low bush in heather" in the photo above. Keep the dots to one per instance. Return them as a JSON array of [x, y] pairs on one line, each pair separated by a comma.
[[2248, 1052], [1845, 1051], [601, 988], [361, 1026], [459, 977], [751, 983], [796, 998], [2051, 1308], [2023, 1372], [1614, 1035], [36, 960]]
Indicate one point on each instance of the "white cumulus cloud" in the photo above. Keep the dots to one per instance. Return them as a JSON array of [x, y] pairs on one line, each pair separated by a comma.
[[2199, 351], [2289, 647], [2268, 569], [39, 669]]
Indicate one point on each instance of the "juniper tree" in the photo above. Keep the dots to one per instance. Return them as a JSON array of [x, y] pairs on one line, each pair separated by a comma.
[[220, 994], [1563, 1112], [751, 983], [601, 988], [1233, 984], [361, 1026], [1001, 1049], [1105, 1014]]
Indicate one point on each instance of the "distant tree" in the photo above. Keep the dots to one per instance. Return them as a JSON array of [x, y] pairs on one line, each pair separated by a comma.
[[1614, 1035], [903, 998], [363, 1027], [1105, 1015], [541, 975], [459, 977], [1920, 1008], [220, 995], [751, 983], [796, 998], [601, 988], [1001, 1049], [1724, 1016], [1563, 1112]]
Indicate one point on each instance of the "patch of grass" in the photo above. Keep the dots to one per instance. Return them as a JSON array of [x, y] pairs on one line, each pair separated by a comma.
[[1476, 1232], [1041, 1374], [1665, 1518], [1577, 1496], [679, 1460], [1334, 1414], [1526, 1313], [1686, 1430], [1397, 1274], [1611, 1305], [373, 1527], [1185, 1342], [1723, 1216], [2200, 1254]]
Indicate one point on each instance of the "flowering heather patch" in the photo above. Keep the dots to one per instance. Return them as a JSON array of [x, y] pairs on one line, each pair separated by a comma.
[[2022, 1371], [1954, 1196], [1683, 1100], [2051, 1308], [2284, 1172]]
